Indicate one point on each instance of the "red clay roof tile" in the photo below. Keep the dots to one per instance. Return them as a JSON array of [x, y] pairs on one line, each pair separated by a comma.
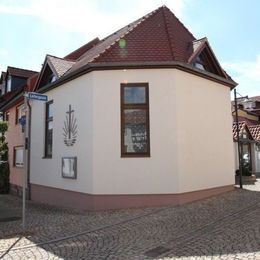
[[83, 49], [243, 126], [61, 66], [255, 132], [158, 36]]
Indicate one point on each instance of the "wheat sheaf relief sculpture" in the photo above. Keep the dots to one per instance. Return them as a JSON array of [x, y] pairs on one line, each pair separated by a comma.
[[70, 128]]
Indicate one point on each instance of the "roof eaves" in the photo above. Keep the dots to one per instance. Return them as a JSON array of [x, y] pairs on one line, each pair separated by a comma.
[[12, 100], [41, 73], [137, 65]]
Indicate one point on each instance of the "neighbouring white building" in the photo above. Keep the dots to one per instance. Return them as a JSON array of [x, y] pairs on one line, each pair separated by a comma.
[[132, 120]]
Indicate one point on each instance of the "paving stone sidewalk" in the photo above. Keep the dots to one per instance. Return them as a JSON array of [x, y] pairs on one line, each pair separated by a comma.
[[221, 227]]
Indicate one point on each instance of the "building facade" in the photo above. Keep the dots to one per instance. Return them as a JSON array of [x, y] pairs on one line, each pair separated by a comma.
[[125, 124], [12, 108]]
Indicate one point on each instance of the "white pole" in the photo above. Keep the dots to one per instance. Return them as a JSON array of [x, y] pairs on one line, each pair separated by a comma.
[[25, 152]]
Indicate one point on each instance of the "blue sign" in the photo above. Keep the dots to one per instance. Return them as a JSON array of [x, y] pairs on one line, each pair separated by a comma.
[[36, 96], [22, 120]]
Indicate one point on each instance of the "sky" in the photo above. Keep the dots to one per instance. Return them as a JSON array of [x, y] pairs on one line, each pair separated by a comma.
[[30, 29]]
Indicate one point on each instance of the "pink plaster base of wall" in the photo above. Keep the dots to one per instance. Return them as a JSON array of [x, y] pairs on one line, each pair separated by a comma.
[[83, 201]]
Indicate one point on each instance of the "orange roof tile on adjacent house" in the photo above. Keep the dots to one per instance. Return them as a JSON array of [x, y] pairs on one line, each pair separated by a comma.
[[255, 132], [241, 127]]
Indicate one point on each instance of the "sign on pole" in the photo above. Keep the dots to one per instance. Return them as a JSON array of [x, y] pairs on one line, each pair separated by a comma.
[[36, 96], [25, 122]]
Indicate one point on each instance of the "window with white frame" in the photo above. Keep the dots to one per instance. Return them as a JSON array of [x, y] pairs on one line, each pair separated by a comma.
[[18, 156]]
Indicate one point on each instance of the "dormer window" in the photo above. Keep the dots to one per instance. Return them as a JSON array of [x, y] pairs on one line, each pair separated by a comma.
[[47, 77], [204, 59], [199, 64], [8, 84], [53, 78]]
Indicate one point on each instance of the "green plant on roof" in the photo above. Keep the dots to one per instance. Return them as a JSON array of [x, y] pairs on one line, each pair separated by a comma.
[[122, 43]]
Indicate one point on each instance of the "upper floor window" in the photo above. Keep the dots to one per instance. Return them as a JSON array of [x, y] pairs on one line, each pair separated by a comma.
[[48, 129], [9, 84], [20, 111], [135, 138]]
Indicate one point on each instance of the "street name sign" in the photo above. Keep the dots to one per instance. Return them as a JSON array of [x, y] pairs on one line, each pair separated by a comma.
[[36, 96]]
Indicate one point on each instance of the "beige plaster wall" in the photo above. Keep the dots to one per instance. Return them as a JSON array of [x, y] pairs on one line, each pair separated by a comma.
[[204, 135], [190, 135], [46, 171], [115, 175]]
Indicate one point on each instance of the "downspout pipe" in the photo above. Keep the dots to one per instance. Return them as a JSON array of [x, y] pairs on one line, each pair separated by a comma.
[[29, 150], [238, 143]]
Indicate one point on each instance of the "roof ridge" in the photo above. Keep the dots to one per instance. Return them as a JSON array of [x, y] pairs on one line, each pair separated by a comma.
[[201, 39], [56, 57], [179, 21], [93, 43], [171, 44], [136, 22], [19, 69]]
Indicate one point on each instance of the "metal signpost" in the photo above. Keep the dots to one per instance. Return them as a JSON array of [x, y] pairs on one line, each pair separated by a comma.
[[25, 122]]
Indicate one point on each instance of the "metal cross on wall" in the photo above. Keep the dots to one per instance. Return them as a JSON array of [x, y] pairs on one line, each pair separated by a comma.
[[69, 113], [70, 128]]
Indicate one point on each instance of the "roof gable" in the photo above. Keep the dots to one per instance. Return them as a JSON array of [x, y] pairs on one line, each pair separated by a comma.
[[18, 72], [53, 68], [204, 58], [242, 127]]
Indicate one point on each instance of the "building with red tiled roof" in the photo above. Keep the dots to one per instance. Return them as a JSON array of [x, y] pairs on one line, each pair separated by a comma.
[[13, 79], [117, 130], [255, 132], [75, 55], [249, 118], [14, 82]]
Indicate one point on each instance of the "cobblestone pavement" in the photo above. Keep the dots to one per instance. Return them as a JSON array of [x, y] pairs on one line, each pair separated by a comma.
[[222, 227]]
